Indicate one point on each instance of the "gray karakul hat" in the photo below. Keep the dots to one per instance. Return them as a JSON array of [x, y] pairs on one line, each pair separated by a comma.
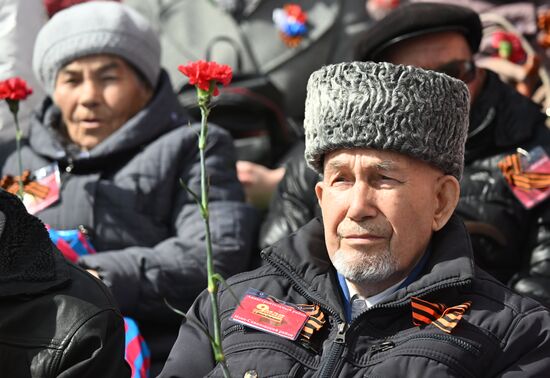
[[419, 113], [96, 27]]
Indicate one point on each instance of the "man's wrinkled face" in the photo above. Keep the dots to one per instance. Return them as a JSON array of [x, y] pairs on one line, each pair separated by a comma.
[[97, 95], [378, 212]]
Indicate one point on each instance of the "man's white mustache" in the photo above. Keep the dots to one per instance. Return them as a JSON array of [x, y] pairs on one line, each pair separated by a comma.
[[346, 229]]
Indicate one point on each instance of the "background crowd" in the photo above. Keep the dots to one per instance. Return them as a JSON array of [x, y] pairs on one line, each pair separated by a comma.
[[114, 68]]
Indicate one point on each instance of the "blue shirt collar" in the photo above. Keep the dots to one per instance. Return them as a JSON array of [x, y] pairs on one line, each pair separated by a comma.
[[410, 279]]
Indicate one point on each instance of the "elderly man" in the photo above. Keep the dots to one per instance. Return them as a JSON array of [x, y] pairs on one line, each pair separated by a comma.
[[504, 233], [385, 282], [117, 143], [56, 320]]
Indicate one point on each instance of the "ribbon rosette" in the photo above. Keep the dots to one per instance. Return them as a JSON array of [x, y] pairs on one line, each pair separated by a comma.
[[291, 21], [516, 176], [443, 317]]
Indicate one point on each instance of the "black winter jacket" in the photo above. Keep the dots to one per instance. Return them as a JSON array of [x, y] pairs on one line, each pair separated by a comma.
[[506, 237], [55, 319], [127, 193], [502, 334]]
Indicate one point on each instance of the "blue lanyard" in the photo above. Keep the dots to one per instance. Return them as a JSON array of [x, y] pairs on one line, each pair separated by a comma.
[[410, 279]]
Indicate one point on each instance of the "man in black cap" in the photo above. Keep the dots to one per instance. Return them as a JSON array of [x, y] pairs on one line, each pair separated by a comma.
[[434, 36], [505, 234]]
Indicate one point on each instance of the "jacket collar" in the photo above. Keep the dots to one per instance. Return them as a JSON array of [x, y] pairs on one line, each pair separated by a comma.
[[162, 114], [451, 262], [304, 255], [29, 263]]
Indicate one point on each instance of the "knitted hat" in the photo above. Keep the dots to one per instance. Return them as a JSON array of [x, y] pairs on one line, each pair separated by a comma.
[[26, 252], [96, 27], [423, 114]]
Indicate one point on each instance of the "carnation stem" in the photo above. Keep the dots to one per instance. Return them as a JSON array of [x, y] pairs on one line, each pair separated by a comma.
[[213, 283]]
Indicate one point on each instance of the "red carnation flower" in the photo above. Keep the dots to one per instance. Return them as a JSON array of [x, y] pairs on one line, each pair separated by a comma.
[[204, 74], [14, 89]]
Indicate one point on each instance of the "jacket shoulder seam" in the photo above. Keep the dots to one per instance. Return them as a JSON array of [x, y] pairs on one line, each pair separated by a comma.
[[75, 328]]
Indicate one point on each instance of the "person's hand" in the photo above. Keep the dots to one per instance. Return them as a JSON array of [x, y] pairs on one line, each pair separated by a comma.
[[259, 182]]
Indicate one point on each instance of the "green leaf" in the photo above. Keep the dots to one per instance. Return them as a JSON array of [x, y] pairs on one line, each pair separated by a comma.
[[194, 322], [219, 279], [192, 193]]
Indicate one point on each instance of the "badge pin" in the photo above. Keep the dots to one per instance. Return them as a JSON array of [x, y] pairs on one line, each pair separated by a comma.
[[40, 188], [528, 175], [261, 313], [291, 21]]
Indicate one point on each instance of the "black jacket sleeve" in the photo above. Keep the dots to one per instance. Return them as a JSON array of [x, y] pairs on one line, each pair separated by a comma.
[[191, 355], [533, 337], [535, 280], [294, 202], [92, 349]]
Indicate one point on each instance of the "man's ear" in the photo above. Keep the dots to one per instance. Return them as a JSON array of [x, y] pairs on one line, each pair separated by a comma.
[[446, 198], [319, 191]]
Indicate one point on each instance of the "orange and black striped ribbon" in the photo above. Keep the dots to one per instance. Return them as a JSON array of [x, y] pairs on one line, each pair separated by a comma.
[[515, 176], [315, 321], [444, 318]]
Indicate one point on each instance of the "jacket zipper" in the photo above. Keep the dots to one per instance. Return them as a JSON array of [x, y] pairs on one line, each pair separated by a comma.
[[328, 368], [382, 347], [452, 340], [336, 351], [233, 329], [338, 344], [387, 345]]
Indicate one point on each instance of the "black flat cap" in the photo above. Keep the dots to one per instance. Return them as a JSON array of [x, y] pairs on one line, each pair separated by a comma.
[[416, 19]]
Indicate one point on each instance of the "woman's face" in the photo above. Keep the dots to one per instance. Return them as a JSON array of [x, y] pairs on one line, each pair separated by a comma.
[[97, 95]]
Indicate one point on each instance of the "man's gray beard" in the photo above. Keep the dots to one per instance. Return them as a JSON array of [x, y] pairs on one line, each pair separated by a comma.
[[370, 268]]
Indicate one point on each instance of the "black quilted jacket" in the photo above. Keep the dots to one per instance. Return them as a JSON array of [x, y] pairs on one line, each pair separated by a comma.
[[502, 334]]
